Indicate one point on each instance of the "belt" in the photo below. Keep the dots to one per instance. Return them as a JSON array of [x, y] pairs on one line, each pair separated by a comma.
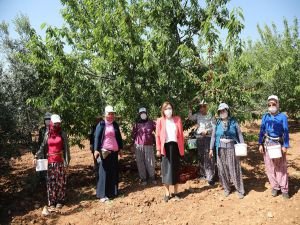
[[53, 154]]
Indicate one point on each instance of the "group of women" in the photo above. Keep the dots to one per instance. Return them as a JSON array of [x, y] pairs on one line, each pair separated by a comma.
[[215, 143]]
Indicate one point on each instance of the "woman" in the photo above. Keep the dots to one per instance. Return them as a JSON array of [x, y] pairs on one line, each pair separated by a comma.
[[224, 135], [55, 148], [169, 145], [273, 131], [205, 124], [143, 141], [107, 144]]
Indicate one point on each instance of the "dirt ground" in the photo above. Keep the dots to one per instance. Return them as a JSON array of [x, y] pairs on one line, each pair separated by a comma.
[[22, 197]]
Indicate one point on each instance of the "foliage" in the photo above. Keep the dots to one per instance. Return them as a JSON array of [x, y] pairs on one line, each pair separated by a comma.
[[128, 54], [17, 84]]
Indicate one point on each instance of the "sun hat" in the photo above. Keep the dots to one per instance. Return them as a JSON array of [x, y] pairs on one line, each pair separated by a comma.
[[203, 102], [109, 109]]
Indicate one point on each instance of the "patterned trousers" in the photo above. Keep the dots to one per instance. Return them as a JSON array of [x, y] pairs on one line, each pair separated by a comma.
[[230, 170], [145, 161], [56, 183], [206, 164], [276, 170]]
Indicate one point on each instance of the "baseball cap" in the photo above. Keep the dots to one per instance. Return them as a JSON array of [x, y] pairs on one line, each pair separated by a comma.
[[143, 109], [273, 97], [55, 118], [223, 106]]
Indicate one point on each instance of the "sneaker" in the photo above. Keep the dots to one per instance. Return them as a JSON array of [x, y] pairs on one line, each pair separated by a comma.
[[154, 182], [211, 183], [241, 196], [226, 193], [105, 199], [166, 198], [274, 192], [285, 195], [144, 183], [45, 211], [59, 205], [51, 208], [176, 197]]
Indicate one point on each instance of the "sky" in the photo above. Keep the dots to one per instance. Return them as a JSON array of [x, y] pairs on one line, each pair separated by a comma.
[[255, 12]]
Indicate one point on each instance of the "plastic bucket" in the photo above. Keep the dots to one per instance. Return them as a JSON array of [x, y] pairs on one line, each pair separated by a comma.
[[192, 143], [274, 151], [41, 164], [240, 149]]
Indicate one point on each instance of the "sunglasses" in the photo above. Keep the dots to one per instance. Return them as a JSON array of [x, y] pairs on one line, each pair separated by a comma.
[[271, 104], [202, 106]]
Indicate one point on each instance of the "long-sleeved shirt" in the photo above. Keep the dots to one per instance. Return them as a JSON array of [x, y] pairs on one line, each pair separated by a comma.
[[142, 133], [233, 132], [204, 122], [275, 126]]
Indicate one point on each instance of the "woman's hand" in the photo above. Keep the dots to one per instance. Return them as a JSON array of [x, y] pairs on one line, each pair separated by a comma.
[[96, 154], [261, 149], [34, 162], [211, 153], [158, 154], [284, 150]]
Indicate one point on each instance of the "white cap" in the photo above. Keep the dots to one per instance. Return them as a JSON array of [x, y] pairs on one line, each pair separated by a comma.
[[109, 109], [143, 109], [223, 106], [55, 118], [273, 97], [203, 102]]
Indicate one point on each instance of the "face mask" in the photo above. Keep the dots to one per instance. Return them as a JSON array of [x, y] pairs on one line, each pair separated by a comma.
[[47, 123], [56, 126], [272, 109], [168, 113], [224, 115], [143, 116]]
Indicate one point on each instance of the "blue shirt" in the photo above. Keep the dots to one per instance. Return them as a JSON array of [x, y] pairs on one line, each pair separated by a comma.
[[275, 126]]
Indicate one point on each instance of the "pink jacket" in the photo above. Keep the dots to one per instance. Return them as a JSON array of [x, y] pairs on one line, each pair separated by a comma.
[[161, 134]]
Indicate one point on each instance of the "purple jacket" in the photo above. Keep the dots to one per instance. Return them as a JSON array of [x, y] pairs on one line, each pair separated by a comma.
[[142, 133]]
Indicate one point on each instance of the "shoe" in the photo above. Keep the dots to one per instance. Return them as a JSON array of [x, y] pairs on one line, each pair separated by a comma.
[[105, 199], [176, 197], [166, 198], [211, 183], [154, 182], [274, 192], [51, 208], [59, 205], [144, 183], [285, 195], [226, 193], [241, 196], [45, 211]]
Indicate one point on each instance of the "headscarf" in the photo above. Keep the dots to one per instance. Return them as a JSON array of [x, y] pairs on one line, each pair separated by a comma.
[[54, 131]]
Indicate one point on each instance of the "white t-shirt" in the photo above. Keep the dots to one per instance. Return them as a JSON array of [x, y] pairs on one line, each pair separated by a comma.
[[170, 131]]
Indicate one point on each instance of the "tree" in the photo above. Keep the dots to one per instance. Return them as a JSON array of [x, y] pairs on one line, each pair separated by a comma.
[[18, 82]]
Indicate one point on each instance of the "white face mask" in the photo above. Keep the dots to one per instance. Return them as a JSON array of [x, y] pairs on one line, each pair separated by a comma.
[[143, 116], [224, 115], [168, 113], [272, 109]]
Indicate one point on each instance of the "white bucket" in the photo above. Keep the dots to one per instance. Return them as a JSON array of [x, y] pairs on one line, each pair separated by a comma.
[[274, 151], [41, 164], [240, 149]]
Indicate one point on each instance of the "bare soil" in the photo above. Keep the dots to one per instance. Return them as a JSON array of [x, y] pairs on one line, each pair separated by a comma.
[[22, 196]]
